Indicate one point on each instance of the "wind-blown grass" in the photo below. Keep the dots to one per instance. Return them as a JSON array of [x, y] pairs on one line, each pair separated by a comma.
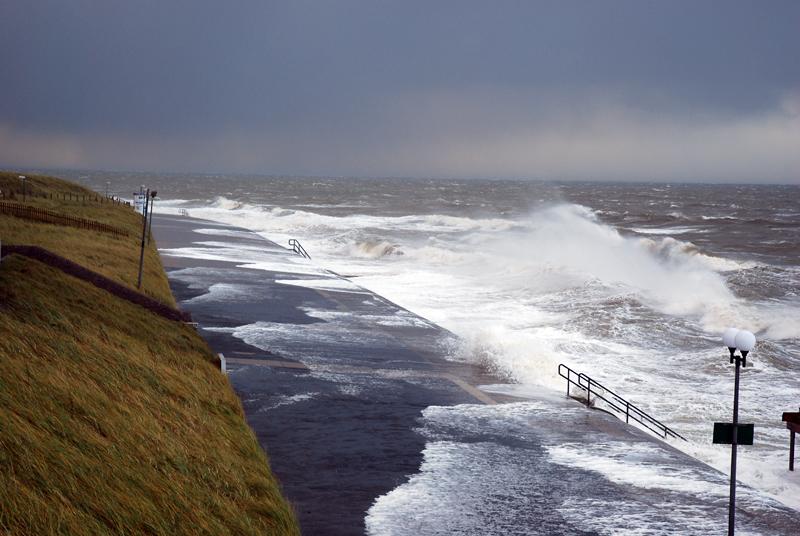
[[114, 420], [114, 257]]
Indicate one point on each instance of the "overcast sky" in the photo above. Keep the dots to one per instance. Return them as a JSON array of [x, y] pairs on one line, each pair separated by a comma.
[[606, 90]]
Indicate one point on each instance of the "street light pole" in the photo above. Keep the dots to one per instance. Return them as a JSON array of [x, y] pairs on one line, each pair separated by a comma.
[[150, 212], [732, 503], [144, 232], [744, 341]]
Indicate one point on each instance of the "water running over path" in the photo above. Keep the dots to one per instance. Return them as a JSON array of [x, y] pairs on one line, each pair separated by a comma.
[[368, 431]]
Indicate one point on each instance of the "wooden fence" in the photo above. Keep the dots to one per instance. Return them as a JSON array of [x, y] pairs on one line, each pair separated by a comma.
[[56, 218], [63, 196]]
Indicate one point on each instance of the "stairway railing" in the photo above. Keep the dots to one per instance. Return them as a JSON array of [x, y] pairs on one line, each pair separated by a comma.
[[614, 401], [299, 249]]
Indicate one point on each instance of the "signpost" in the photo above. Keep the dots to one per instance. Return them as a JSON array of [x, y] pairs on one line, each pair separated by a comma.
[[792, 421]]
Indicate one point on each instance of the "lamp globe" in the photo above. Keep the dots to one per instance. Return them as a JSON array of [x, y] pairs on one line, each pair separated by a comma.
[[745, 341], [729, 337]]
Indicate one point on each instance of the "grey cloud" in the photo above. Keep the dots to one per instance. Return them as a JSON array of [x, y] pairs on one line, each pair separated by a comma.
[[409, 88]]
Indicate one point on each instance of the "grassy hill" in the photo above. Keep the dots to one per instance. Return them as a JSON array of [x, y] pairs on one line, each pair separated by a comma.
[[113, 419], [117, 258]]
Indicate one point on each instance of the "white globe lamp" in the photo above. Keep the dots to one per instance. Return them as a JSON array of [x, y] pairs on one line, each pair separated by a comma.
[[729, 338], [745, 341]]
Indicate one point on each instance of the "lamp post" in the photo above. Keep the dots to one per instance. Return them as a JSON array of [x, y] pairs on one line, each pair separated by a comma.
[[150, 214], [23, 178], [144, 233], [744, 341]]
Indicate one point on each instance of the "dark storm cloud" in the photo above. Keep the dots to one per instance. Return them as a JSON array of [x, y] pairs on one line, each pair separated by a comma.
[[555, 89]]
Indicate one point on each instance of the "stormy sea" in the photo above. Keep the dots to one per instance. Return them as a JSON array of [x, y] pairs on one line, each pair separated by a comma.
[[632, 284]]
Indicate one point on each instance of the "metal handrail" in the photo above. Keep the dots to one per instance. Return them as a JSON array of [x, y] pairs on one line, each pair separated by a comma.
[[299, 249], [615, 402]]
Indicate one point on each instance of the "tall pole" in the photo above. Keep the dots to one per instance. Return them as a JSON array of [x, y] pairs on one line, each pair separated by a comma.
[[144, 232], [150, 212], [732, 504]]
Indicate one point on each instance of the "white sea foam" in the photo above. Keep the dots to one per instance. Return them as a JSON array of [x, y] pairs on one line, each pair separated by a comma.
[[399, 318], [331, 284], [613, 461], [294, 266], [221, 231], [664, 230], [223, 292], [556, 286], [286, 400], [482, 474]]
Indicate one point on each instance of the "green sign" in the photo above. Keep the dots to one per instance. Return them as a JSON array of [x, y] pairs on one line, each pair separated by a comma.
[[723, 433]]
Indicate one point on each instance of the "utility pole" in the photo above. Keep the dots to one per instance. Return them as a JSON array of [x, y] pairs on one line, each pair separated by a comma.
[[144, 233]]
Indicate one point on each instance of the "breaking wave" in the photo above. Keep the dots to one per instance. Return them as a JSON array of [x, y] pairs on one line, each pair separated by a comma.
[[560, 285]]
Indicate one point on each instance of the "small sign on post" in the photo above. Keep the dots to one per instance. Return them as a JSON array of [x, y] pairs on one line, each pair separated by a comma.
[[139, 199], [792, 421], [723, 434]]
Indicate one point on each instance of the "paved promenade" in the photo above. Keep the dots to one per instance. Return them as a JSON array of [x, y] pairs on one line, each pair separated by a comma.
[[370, 428]]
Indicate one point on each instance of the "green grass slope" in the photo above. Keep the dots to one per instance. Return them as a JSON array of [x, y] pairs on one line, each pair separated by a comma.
[[114, 257], [114, 420]]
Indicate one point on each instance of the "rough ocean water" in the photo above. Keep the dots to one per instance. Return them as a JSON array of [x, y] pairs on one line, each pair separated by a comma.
[[632, 284]]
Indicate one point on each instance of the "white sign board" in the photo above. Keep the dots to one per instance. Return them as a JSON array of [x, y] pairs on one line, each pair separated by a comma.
[[138, 202]]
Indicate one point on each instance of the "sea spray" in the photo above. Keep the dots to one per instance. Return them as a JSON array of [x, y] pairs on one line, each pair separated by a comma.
[[628, 283]]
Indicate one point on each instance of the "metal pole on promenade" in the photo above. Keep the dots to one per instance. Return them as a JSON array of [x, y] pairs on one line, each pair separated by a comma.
[[144, 232], [150, 212], [732, 504], [734, 433]]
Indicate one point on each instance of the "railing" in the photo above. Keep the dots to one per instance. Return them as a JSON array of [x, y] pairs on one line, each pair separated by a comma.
[[21, 195], [615, 402], [297, 248], [49, 216]]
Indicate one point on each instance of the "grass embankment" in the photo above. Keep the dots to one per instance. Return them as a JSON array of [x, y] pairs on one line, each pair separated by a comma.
[[114, 419], [114, 257]]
